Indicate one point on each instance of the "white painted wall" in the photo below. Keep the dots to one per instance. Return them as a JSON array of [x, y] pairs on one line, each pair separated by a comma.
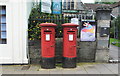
[[15, 51]]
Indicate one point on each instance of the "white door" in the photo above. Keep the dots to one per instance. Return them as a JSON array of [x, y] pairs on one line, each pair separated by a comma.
[[13, 33]]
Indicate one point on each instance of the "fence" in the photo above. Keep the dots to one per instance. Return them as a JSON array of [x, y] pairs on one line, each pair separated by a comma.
[[57, 19]]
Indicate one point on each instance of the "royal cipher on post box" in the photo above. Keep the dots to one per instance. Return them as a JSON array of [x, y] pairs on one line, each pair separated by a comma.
[[69, 45], [48, 45]]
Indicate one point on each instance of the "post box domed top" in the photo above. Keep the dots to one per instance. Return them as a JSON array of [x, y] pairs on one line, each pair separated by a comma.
[[47, 24], [70, 24]]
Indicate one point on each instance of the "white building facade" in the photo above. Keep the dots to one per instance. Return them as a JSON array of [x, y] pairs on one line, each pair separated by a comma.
[[14, 16]]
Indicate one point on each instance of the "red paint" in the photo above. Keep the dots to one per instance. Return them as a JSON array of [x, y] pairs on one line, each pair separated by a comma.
[[48, 46], [69, 46]]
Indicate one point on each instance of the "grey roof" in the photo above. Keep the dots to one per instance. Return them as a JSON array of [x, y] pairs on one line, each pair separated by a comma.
[[95, 6]]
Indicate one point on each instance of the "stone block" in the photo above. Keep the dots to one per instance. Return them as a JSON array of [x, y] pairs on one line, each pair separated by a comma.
[[102, 44], [103, 23], [102, 38], [103, 15], [35, 52], [86, 52], [59, 48], [102, 56]]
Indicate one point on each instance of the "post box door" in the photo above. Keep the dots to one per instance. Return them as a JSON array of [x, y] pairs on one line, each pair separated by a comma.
[[71, 44], [48, 46]]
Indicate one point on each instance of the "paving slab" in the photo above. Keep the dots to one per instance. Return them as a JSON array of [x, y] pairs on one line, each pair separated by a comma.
[[102, 69], [114, 51], [56, 71], [91, 69], [112, 68], [69, 71], [80, 70]]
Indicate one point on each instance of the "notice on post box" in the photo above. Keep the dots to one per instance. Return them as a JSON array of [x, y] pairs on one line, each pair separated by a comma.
[[47, 37], [70, 37]]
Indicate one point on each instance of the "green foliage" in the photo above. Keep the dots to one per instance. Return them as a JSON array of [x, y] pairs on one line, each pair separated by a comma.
[[112, 29], [37, 17], [118, 26], [115, 41], [115, 25]]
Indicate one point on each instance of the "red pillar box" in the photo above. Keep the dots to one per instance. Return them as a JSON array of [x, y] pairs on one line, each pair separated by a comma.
[[69, 45], [48, 45]]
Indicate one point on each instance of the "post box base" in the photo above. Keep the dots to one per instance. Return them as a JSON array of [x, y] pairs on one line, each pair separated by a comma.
[[69, 62], [48, 63]]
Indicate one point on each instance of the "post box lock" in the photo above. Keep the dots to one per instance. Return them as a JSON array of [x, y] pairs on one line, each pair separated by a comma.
[[52, 45], [74, 46]]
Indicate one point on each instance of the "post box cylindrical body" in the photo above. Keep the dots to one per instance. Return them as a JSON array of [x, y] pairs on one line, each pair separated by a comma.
[[69, 45], [48, 45]]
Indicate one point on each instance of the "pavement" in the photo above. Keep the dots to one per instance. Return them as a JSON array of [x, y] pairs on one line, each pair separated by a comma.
[[82, 68], [114, 52]]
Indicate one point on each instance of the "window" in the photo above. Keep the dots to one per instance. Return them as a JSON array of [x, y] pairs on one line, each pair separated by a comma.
[[64, 5], [68, 7], [72, 4], [3, 25]]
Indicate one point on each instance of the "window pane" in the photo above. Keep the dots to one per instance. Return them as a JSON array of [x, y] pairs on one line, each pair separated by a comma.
[[3, 27], [3, 11], [3, 19], [4, 41], [3, 35]]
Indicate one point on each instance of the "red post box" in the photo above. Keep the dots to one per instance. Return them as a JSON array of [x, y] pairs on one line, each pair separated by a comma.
[[69, 45], [48, 45]]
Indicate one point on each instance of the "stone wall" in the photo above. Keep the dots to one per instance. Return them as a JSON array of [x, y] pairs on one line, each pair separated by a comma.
[[85, 51], [34, 51]]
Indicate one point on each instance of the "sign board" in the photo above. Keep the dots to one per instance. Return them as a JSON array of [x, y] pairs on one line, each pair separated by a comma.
[[75, 21], [87, 32], [46, 6], [57, 7]]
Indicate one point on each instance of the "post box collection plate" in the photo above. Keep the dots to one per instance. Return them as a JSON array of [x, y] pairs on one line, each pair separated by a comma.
[[47, 37], [70, 37]]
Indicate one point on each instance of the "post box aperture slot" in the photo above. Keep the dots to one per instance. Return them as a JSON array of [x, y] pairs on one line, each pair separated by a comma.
[[47, 31], [70, 32]]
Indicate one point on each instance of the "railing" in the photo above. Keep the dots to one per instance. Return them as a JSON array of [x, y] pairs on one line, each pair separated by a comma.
[[58, 19]]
